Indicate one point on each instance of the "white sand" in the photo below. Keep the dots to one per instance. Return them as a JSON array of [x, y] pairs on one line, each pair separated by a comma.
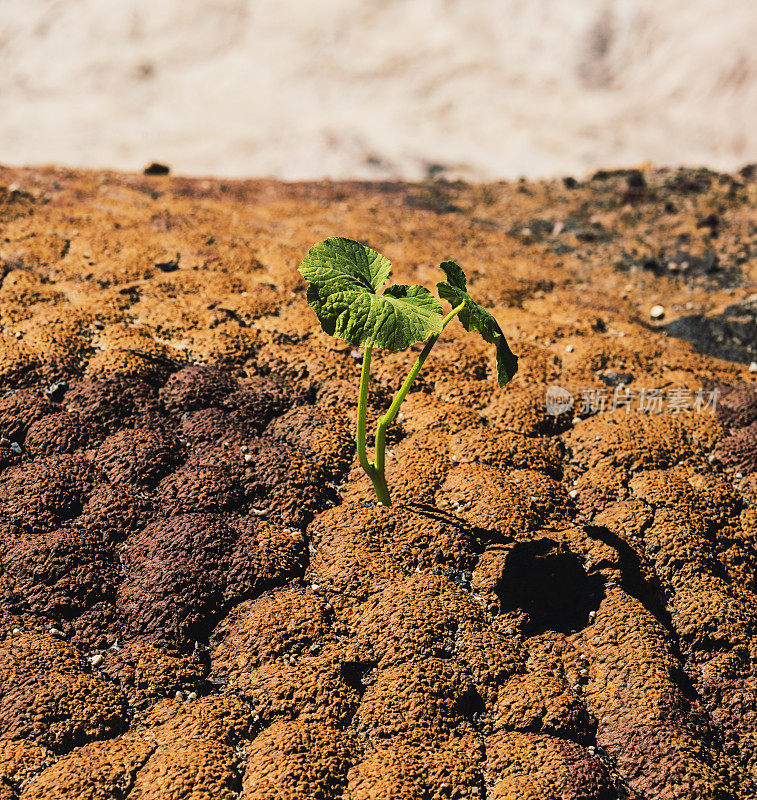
[[378, 88]]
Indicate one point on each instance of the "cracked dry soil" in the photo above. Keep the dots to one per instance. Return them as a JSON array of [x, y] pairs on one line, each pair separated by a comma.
[[198, 595]]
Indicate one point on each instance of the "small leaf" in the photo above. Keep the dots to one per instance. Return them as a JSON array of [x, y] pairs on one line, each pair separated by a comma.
[[344, 276], [455, 275], [474, 317]]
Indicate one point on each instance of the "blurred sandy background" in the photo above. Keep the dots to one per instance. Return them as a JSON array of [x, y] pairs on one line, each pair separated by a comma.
[[378, 88]]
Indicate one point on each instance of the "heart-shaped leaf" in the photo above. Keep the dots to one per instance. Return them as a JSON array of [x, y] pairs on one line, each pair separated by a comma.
[[476, 318], [344, 278], [336, 260]]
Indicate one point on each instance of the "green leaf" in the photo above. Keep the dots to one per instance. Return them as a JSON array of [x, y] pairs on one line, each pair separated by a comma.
[[335, 260], [455, 276], [344, 277], [476, 318]]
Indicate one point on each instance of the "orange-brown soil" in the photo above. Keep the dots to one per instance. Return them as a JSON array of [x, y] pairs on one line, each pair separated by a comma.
[[199, 597]]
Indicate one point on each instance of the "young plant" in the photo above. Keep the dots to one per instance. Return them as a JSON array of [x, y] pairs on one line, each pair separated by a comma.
[[345, 279]]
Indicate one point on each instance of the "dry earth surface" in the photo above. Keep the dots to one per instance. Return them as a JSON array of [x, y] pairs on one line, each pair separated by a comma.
[[199, 597]]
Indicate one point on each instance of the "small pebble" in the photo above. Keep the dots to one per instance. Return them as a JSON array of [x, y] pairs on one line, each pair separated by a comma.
[[16, 630], [179, 696], [55, 388], [591, 749], [57, 632], [573, 492], [657, 312], [569, 348], [248, 457], [592, 614], [753, 366], [191, 696]]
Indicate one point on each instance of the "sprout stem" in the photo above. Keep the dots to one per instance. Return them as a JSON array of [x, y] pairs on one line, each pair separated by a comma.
[[375, 470], [377, 476], [362, 405]]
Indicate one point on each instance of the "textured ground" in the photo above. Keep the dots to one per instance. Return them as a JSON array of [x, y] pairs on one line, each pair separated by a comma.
[[198, 597]]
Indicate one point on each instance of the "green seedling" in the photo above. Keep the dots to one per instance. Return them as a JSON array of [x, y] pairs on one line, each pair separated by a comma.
[[345, 281]]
